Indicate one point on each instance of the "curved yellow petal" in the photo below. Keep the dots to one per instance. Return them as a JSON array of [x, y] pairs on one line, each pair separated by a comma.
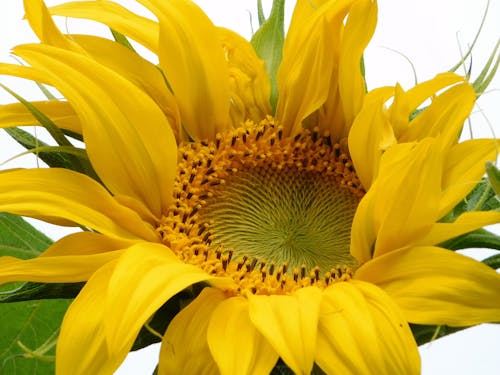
[[61, 113], [407, 204], [249, 83], [402, 204], [308, 73], [184, 349], [370, 135], [405, 103], [73, 258], [145, 277], [63, 269], [464, 166], [81, 346], [359, 28], [44, 27], [139, 71], [193, 61], [141, 29], [85, 243], [236, 345], [290, 325], [302, 10], [23, 72], [466, 222], [437, 286], [445, 117], [128, 139], [354, 317], [364, 228], [60, 193]]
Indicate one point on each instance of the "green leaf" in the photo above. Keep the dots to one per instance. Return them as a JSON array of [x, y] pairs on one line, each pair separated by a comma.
[[268, 44], [27, 336], [20, 239], [28, 330]]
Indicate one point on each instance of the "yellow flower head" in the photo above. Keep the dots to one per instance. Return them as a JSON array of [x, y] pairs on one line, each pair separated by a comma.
[[311, 232]]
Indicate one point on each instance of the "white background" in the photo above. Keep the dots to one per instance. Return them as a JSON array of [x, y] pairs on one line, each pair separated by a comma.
[[430, 33]]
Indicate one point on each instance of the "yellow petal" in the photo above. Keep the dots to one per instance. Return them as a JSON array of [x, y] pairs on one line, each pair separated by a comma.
[[141, 29], [358, 31], [290, 324], [444, 117], [302, 10], [139, 71], [54, 269], [145, 277], [405, 103], [465, 223], [60, 193], [437, 286], [354, 317], [308, 72], [44, 27], [85, 243], [128, 139], [364, 228], [404, 200], [193, 61], [408, 201], [84, 320], [370, 135], [249, 83], [464, 166], [23, 72], [237, 347], [184, 349], [61, 113]]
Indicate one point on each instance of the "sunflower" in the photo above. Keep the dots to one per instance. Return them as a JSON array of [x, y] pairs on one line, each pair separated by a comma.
[[311, 231]]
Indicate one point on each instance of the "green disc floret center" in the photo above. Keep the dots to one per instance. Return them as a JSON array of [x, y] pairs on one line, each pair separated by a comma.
[[287, 216]]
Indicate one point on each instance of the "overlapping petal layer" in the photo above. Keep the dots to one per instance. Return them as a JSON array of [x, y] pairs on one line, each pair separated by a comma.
[[129, 140], [463, 293]]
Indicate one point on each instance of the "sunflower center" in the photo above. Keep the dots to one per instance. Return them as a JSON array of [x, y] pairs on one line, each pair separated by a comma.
[[254, 205], [287, 215]]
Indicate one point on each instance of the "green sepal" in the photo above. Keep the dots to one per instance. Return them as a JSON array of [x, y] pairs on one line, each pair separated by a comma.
[[481, 198], [493, 177], [427, 333], [57, 134], [488, 72], [161, 319], [46, 122], [480, 238], [38, 291], [268, 44], [493, 261], [121, 39], [260, 13], [54, 156]]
